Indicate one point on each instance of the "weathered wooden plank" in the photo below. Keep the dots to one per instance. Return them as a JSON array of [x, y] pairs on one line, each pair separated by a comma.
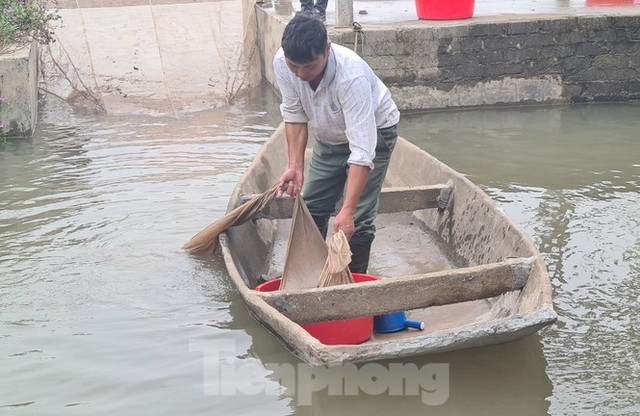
[[409, 198], [403, 293], [397, 199]]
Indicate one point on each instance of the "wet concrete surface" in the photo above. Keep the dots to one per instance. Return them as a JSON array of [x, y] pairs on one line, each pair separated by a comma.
[[169, 57]]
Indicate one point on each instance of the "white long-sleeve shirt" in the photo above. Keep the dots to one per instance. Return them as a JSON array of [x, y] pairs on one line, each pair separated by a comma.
[[348, 106]]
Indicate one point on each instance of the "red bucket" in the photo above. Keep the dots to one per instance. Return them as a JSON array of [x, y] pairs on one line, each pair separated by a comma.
[[343, 331], [444, 9]]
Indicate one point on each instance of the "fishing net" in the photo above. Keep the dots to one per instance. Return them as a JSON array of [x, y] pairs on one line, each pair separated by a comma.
[[306, 251], [309, 262], [175, 57], [336, 269], [207, 238]]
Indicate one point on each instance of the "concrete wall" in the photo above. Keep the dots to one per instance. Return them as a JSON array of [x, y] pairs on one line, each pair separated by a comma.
[[270, 28], [466, 63], [19, 87]]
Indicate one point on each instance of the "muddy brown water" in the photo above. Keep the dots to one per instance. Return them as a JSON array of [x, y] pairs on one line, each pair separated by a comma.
[[101, 313]]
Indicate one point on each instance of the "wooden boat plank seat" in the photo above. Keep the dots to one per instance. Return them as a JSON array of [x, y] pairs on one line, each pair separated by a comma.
[[402, 293], [392, 199]]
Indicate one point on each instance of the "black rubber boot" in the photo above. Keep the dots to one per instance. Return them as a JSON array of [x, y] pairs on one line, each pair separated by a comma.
[[323, 225], [360, 257]]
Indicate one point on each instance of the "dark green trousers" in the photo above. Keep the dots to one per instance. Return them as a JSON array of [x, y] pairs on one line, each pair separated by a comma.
[[325, 186]]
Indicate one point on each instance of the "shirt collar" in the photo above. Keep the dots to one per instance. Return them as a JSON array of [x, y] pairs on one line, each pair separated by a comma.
[[330, 70]]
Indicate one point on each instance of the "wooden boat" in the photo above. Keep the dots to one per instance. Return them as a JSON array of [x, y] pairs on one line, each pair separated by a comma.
[[445, 253]]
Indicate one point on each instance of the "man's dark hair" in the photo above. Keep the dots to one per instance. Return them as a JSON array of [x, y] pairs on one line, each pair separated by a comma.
[[304, 38]]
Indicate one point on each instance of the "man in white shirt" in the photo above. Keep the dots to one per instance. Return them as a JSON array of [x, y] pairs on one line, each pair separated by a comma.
[[332, 90]]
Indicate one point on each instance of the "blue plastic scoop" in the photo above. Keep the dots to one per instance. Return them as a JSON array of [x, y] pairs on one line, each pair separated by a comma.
[[394, 322]]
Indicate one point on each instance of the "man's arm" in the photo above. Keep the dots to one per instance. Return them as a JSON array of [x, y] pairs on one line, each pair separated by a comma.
[[358, 108], [356, 182], [293, 178]]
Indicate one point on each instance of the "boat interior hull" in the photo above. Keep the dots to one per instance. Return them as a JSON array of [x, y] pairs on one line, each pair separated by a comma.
[[439, 264]]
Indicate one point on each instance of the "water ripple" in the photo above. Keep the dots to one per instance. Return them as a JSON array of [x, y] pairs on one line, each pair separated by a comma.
[[100, 309]]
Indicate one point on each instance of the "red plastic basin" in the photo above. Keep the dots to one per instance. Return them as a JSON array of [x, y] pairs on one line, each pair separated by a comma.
[[444, 9], [342, 331]]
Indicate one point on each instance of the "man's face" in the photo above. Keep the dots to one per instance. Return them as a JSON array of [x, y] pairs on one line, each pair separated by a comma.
[[310, 71]]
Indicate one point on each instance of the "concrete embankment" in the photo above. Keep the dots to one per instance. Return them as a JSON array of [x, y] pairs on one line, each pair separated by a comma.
[[130, 56], [491, 60], [19, 90]]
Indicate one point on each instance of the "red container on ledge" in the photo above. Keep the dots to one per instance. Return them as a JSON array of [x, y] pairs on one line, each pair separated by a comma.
[[444, 9], [343, 331]]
